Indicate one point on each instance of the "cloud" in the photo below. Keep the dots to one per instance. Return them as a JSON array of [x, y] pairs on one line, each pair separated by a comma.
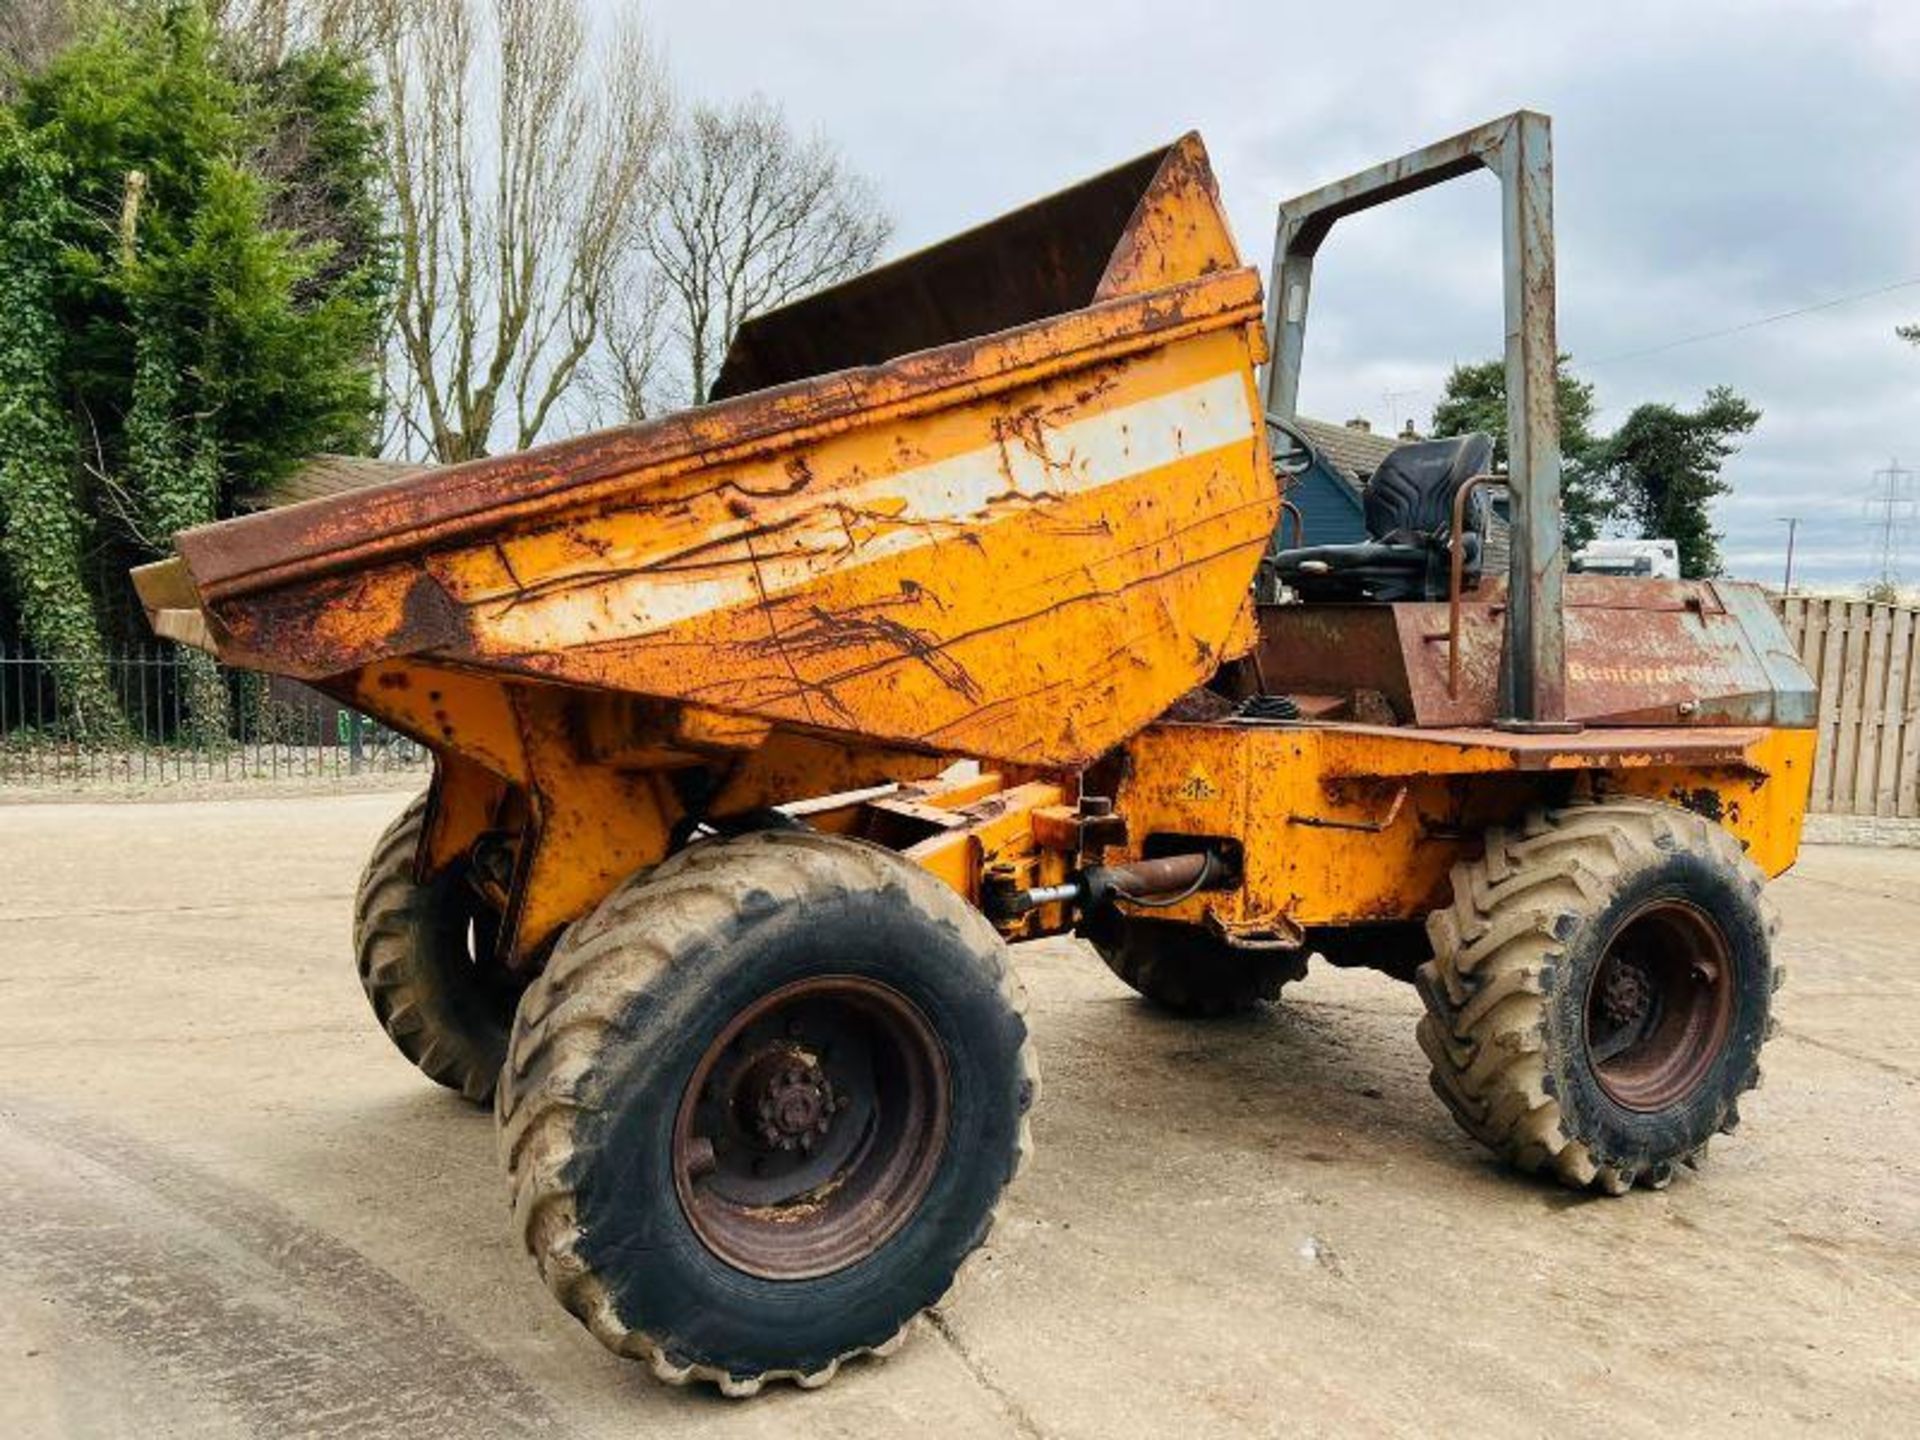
[[1715, 162]]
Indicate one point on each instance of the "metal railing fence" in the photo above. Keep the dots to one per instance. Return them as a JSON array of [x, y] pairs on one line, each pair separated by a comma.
[[180, 718]]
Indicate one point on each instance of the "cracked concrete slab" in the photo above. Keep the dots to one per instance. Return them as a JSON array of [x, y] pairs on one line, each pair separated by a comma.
[[231, 1209]]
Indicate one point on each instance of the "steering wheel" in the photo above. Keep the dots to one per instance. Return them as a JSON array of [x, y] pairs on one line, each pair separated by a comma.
[[1299, 455]]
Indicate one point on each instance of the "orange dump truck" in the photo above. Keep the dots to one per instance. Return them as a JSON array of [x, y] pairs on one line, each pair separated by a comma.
[[701, 898]]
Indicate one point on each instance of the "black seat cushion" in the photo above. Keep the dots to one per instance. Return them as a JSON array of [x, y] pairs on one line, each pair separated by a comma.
[[1408, 506], [1410, 496], [1373, 570]]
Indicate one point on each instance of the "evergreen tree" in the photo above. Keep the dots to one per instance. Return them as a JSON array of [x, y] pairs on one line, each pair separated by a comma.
[[1664, 466], [1476, 399]]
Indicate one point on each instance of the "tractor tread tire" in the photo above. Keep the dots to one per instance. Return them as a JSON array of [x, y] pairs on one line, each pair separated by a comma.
[[1189, 971], [446, 1035], [1495, 950], [579, 1002]]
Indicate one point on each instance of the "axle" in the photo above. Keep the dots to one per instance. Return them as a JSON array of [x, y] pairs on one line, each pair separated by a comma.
[[1142, 882]]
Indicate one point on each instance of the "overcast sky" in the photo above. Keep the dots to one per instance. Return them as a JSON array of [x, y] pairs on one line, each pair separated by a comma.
[[1715, 163]]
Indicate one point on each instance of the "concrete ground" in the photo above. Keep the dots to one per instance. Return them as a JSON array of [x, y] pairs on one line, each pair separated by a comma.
[[228, 1208]]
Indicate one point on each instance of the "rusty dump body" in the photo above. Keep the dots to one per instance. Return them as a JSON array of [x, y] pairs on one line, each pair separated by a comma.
[[999, 501]]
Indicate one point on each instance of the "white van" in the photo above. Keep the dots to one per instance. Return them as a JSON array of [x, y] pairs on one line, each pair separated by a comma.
[[1654, 559]]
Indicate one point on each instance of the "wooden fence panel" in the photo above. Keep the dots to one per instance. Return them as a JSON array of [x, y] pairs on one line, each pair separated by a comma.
[[1839, 648], [1893, 714], [1866, 660], [1873, 708], [1851, 683], [1907, 781], [1824, 654]]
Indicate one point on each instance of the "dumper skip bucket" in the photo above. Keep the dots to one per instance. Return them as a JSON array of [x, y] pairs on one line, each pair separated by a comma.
[[1001, 498]]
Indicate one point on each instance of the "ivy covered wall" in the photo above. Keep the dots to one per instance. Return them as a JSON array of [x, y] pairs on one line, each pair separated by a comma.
[[194, 271]]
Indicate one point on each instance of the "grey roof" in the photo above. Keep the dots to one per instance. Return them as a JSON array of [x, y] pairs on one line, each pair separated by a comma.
[[320, 475], [1355, 453]]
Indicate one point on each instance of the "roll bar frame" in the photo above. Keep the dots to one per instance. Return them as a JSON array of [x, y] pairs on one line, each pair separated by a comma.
[[1518, 148]]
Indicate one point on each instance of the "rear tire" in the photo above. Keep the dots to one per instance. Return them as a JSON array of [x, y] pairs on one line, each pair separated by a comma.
[[761, 1104], [1600, 991], [444, 1007], [1190, 971]]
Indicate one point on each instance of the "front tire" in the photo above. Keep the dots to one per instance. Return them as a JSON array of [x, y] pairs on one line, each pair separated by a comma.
[[761, 1104], [424, 954], [1600, 991]]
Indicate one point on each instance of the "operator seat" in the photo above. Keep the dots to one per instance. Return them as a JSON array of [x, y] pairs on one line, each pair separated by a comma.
[[1408, 507]]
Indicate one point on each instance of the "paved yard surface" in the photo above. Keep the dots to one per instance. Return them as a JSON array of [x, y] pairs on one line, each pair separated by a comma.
[[230, 1209]]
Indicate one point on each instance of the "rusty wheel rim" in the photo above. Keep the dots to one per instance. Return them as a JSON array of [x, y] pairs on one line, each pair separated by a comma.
[[811, 1128], [1660, 1005]]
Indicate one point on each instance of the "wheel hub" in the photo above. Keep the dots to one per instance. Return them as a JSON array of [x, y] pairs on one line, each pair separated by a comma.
[[1660, 1007], [1626, 994], [792, 1099], [811, 1127]]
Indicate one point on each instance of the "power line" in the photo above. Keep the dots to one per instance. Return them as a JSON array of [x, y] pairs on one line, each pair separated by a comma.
[[1749, 324]]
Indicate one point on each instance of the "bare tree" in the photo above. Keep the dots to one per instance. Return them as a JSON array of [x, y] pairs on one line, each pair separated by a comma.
[[627, 379], [746, 217], [267, 31], [32, 32], [517, 165]]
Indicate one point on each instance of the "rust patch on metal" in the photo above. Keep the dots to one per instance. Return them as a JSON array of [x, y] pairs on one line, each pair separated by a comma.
[[1639, 654], [1702, 800]]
